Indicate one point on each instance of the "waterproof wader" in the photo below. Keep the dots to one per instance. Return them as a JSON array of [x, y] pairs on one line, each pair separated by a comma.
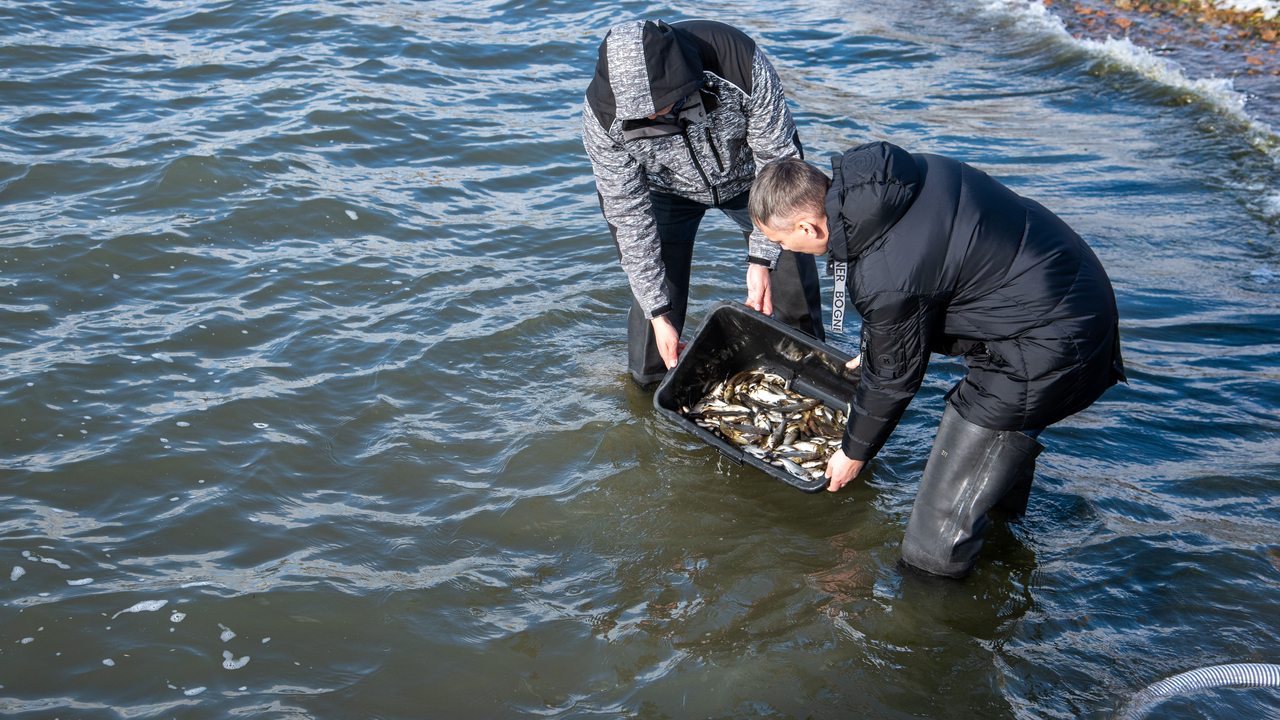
[[794, 283], [970, 470]]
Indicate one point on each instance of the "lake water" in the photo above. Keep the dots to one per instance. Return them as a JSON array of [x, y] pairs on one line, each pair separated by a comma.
[[315, 401]]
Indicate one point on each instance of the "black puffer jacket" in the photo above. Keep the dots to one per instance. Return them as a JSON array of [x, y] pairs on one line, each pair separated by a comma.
[[945, 259]]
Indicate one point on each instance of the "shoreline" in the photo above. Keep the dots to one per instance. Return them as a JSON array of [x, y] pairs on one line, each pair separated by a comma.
[[1202, 40]]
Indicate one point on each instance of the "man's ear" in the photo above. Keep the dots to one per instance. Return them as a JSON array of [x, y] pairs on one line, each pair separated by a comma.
[[814, 228]]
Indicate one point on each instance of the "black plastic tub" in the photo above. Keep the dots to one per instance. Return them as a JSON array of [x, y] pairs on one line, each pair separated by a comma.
[[733, 338]]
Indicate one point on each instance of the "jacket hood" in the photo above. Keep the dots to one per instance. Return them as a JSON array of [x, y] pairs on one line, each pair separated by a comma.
[[872, 187], [643, 67]]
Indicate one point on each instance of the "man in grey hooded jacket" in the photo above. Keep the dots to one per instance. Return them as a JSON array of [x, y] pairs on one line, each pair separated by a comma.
[[676, 121]]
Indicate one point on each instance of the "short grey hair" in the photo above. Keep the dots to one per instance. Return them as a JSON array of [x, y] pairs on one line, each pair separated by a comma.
[[785, 190]]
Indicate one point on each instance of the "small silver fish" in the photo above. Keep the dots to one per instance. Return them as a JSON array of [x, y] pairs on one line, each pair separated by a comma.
[[760, 413], [794, 469]]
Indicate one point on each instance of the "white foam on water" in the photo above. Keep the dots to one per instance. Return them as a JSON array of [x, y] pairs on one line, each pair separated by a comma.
[[227, 633], [51, 561], [230, 663], [194, 691], [162, 357], [266, 640], [109, 662], [1268, 8], [1265, 276], [81, 581], [261, 426], [177, 617], [17, 572], [1218, 93], [144, 606], [24, 641], [1271, 205], [184, 424], [352, 214]]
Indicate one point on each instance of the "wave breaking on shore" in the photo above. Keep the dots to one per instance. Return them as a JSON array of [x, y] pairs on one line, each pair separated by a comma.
[[1218, 94]]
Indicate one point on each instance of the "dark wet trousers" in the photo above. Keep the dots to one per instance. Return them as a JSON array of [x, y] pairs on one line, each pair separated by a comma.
[[797, 296], [971, 470]]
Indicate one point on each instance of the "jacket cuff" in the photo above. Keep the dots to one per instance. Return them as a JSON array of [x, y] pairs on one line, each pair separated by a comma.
[[771, 264], [660, 311], [856, 449]]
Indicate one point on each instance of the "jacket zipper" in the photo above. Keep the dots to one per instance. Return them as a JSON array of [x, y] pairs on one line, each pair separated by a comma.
[[715, 196], [714, 152]]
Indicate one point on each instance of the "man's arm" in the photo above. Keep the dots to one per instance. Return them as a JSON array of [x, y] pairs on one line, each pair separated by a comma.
[[840, 469], [759, 289], [895, 353], [771, 134], [624, 200]]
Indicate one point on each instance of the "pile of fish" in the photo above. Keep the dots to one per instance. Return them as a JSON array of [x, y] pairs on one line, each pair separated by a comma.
[[758, 412]]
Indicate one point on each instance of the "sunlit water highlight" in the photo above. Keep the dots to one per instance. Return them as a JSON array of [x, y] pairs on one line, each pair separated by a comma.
[[313, 365]]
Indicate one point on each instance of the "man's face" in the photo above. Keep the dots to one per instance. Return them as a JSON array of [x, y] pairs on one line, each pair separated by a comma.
[[805, 237]]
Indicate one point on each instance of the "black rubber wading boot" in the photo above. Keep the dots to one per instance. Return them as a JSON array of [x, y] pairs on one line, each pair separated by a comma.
[[970, 470], [1014, 502]]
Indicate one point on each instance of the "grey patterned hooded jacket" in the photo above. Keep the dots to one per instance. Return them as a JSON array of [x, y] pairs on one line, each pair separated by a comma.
[[730, 116]]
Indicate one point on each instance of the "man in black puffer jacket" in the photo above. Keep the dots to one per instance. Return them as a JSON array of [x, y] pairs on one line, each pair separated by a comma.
[[942, 258]]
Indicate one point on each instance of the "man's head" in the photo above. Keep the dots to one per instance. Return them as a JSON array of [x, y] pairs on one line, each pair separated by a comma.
[[644, 68], [788, 204]]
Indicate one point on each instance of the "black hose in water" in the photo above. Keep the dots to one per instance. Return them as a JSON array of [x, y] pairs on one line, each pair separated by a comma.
[[1234, 675]]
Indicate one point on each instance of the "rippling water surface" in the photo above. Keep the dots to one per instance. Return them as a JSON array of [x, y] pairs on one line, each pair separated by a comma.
[[314, 399]]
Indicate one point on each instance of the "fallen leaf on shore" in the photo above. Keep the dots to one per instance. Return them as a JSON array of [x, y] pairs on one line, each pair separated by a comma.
[[1124, 4], [1084, 10], [1124, 22], [1144, 9], [1268, 35], [1164, 31], [1252, 60]]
